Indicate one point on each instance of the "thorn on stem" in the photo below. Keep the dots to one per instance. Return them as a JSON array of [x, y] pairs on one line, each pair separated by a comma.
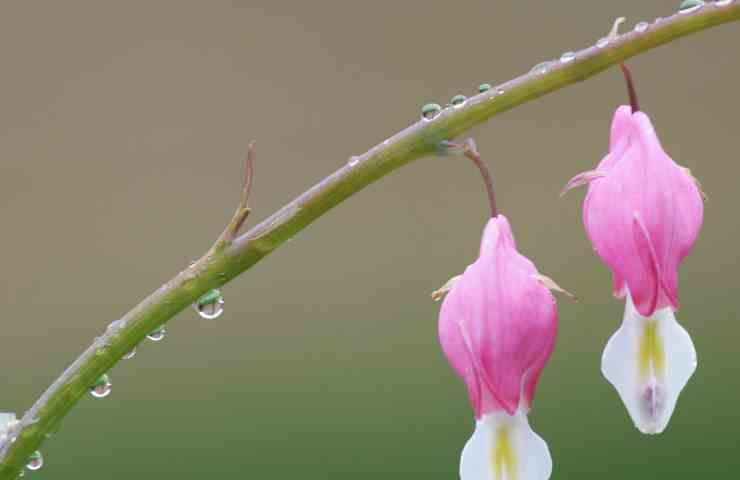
[[614, 32], [242, 210]]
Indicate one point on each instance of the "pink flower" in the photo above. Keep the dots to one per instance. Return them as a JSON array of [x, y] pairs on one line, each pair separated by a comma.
[[643, 213], [497, 328]]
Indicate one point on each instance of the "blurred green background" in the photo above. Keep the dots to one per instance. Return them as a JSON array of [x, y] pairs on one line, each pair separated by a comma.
[[122, 131]]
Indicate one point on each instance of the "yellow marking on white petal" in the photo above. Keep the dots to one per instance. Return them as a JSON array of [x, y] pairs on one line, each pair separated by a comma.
[[503, 456], [651, 354]]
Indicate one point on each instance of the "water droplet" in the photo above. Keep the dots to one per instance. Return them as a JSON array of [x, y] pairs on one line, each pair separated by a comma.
[[430, 111], [567, 57], [602, 42], [541, 68], [157, 335], [130, 354], [499, 92], [484, 87], [22, 473], [688, 6], [458, 100], [35, 461], [353, 160], [102, 387], [642, 27], [723, 3], [210, 305]]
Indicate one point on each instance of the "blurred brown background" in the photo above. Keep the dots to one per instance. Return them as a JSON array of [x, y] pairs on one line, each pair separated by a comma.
[[122, 129]]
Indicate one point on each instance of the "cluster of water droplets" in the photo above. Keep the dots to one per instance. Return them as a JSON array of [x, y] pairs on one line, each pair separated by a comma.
[[431, 111], [9, 427]]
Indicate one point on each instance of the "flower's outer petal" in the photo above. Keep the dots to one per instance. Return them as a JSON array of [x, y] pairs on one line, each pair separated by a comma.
[[672, 208], [498, 324], [649, 361], [504, 447], [643, 181], [646, 286], [621, 129], [457, 350]]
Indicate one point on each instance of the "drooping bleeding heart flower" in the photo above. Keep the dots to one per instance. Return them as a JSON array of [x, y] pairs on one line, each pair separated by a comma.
[[497, 328], [643, 213]]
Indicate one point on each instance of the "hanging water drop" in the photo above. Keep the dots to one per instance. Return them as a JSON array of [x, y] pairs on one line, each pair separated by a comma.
[[541, 68], [602, 42], [130, 354], [688, 6], [484, 87], [157, 335], [430, 111], [35, 461], [102, 387], [641, 27], [210, 305], [567, 57]]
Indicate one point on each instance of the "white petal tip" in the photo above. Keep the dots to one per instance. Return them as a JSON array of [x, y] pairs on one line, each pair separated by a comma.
[[504, 447], [649, 361]]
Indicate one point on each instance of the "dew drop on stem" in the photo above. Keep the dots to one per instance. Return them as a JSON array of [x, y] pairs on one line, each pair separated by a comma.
[[102, 387], [35, 461], [210, 305]]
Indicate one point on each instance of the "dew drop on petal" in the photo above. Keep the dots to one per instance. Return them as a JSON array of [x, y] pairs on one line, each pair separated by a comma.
[[35, 461], [688, 6], [157, 335], [567, 57], [211, 305], [641, 27], [102, 387], [430, 111]]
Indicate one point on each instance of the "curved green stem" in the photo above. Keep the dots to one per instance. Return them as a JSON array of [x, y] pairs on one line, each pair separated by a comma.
[[227, 260]]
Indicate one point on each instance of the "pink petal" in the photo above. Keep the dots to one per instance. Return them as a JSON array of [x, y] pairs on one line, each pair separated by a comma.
[[498, 324], [644, 181]]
